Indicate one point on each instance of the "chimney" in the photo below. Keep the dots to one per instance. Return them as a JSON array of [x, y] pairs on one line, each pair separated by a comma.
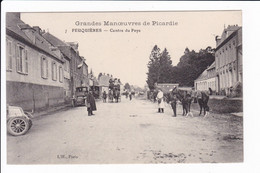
[[37, 29], [17, 14]]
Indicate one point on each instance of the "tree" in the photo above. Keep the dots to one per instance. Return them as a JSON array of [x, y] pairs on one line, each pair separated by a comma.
[[191, 65], [153, 67], [127, 86], [165, 67], [159, 67]]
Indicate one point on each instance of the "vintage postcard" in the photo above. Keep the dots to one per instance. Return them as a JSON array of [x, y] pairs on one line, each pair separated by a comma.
[[124, 87]]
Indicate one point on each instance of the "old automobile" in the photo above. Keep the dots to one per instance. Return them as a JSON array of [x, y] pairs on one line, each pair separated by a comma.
[[18, 121], [79, 96]]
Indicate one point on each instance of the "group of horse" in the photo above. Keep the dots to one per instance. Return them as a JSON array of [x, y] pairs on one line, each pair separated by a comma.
[[114, 94], [187, 97]]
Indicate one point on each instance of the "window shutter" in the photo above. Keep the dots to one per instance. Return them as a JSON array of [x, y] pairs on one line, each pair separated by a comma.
[[47, 68], [11, 56], [7, 55], [26, 61], [42, 67], [17, 58], [52, 70]]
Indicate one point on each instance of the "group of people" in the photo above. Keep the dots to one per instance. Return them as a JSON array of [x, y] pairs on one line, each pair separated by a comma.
[[128, 94], [111, 95], [186, 99]]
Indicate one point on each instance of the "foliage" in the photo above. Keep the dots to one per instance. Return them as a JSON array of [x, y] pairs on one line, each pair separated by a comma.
[[127, 86], [159, 67], [191, 65]]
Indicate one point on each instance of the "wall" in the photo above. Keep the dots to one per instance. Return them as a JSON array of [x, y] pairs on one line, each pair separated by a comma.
[[203, 85], [34, 68], [31, 91], [33, 96], [229, 63]]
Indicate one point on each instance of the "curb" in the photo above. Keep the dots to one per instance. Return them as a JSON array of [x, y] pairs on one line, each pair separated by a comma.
[[50, 110]]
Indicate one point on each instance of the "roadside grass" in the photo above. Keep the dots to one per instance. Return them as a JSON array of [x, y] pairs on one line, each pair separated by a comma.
[[222, 106], [225, 105]]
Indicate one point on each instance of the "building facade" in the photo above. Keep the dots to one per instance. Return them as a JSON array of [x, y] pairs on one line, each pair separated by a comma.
[[207, 79], [228, 57], [75, 67], [34, 71], [104, 83]]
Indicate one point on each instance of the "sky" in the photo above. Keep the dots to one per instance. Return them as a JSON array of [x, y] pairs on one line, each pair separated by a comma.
[[125, 55]]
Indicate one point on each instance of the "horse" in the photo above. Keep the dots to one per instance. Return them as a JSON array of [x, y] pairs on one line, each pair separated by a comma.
[[203, 102], [110, 95], [186, 99], [116, 94]]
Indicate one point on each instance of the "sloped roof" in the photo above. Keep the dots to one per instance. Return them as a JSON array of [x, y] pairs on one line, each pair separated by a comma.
[[227, 34], [13, 23], [24, 31], [104, 80], [54, 40], [213, 65], [203, 75], [63, 47]]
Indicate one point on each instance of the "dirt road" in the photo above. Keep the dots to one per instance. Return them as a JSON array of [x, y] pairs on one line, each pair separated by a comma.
[[128, 132]]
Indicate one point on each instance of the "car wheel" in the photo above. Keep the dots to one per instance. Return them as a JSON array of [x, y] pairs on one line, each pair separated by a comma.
[[17, 126], [30, 124]]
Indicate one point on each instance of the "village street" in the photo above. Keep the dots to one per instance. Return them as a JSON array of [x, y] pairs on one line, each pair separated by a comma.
[[128, 132]]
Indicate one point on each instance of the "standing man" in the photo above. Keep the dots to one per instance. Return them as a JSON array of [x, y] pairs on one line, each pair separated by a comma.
[[126, 94], [104, 97], [130, 96], [173, 100], [91, 103], [160, 100]]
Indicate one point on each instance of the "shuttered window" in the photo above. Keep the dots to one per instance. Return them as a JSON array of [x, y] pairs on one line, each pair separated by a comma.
[[44, 67], [54, 71], [21, 59], [60, 74], [9, 55]]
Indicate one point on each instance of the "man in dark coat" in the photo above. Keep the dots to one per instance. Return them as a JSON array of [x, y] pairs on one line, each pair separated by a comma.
[[91, 104], [173, 100]]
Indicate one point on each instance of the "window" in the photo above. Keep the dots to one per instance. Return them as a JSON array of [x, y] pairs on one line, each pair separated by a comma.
[[8, 55], [65, 65], [60, 74], [44, 67], [54, 71], [21, 59]]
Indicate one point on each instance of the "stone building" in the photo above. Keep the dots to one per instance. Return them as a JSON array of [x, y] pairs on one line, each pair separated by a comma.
[[75, 66], [104, 83], [34, 68], [207, 79], [228, 58]]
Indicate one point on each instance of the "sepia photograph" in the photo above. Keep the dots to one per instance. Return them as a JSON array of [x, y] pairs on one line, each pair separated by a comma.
[[150, 87], [124, 87]]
